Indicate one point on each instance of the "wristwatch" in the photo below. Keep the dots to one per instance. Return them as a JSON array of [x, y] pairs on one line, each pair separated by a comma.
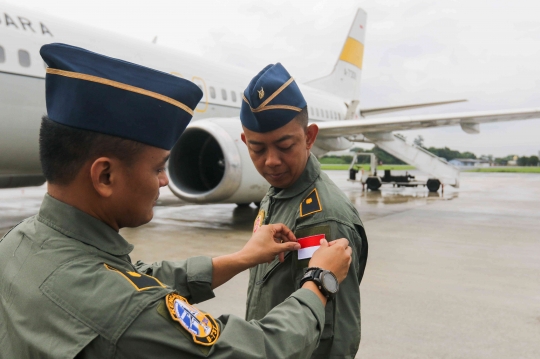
[[325, 280]]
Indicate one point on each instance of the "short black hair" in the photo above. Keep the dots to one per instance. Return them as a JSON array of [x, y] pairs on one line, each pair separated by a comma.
[[303, 118], [63, 150]]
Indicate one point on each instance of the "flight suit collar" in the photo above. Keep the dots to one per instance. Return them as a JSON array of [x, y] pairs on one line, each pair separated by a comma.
[[306, 179], [79, 225]]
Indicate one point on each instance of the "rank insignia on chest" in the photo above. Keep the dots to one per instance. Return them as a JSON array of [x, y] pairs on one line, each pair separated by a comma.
[[202, 327], [311, 204], [259, 221], [138, 280]]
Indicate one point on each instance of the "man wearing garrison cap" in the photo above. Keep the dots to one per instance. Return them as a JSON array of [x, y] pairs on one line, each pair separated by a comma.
[[68, 287], [275, 121]]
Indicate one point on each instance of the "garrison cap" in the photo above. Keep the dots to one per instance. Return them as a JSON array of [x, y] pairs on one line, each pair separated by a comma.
[[98, 93], [271, 100]]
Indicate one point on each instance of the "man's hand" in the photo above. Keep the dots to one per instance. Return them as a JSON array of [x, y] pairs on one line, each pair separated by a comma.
[[267, 243], [335, 256]]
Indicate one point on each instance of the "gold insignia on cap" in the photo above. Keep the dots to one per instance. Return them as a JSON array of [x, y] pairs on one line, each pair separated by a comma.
[[265, 107]]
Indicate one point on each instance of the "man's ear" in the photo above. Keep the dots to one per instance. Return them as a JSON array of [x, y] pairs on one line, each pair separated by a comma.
[[102, 175], [311, 134], [243, 137]]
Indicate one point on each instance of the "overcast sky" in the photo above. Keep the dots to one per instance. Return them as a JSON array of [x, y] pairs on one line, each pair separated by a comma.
[[486, 51]]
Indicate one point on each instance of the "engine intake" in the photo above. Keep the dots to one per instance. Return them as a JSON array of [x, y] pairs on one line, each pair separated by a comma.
[[205, 165]]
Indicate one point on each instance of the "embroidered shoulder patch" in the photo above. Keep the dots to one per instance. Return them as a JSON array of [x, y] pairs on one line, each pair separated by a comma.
[[138, 280], [202, 327], [258, 221], [311, 204]]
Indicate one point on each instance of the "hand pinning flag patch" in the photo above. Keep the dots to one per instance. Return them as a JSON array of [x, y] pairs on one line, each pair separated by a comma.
[[311, 204], [308, 246]]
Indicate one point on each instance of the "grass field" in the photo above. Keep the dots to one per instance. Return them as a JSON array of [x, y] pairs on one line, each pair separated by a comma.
[[366, 167], [507, 169]]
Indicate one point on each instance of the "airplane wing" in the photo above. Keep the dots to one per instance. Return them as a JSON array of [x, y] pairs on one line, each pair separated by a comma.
[[469, 122]]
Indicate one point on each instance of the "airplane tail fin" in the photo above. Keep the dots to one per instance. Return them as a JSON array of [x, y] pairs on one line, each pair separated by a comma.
[[344, 80]]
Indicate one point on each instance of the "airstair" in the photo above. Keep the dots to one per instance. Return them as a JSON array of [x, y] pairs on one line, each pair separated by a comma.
[[417, 156]]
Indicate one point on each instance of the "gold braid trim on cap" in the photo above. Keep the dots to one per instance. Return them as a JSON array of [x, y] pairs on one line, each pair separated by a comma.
[[263, 106], [100, 80]]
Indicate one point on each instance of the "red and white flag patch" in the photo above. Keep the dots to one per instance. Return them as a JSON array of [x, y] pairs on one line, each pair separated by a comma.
[[308, 245]]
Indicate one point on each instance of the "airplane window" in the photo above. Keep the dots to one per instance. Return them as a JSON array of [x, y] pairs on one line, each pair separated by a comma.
[[224, 94], [233, 96], [326, 114], [24, 58], [212, 92], [317, 112], [2, 54], [339, 116]]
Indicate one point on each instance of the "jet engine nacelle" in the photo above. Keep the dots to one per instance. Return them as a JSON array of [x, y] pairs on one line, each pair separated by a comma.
[[210, 164]]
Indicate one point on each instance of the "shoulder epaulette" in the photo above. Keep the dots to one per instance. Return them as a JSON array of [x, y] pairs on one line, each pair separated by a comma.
[[311, 204]]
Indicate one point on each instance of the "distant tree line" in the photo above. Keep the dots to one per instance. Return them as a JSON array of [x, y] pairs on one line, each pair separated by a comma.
[[521, 161], [449, 155]]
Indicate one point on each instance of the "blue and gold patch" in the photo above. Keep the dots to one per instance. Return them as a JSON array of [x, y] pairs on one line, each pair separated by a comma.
[[138, 280], [202, 327], [311, 204]]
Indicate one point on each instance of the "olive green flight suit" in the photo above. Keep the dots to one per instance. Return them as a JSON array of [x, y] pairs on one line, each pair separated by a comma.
[[68, 289], [313, 205]]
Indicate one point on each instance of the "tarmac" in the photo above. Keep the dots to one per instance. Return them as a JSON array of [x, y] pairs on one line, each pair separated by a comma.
[[453, 275]]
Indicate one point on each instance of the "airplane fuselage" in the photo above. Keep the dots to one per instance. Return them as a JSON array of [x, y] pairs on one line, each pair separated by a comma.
[[22, 80]]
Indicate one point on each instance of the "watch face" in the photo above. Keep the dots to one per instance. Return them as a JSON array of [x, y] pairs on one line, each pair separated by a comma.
[[330, 282]]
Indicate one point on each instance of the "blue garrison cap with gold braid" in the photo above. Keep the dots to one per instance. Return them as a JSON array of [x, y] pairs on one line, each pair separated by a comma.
[[271, 100], [98, 93]]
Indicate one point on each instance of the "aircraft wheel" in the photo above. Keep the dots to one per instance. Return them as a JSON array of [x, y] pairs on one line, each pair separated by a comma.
[[373, 183], [433, 184]]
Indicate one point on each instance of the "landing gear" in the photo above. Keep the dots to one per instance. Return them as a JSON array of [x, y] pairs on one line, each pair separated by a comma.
[[433, 184], [373, 183]]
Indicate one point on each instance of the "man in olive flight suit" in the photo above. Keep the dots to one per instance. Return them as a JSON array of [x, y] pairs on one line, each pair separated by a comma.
[[68, 287], [275, 122]]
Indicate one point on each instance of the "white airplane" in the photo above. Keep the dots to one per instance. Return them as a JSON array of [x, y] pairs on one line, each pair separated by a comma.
[[209, 163]]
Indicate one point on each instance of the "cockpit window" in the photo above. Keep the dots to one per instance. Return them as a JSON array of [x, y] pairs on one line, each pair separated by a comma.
[[24, 58], [2, 55]]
